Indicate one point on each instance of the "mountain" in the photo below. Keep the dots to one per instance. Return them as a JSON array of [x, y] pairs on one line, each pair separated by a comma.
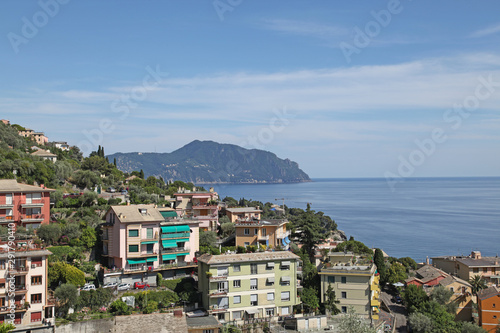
[[205, 162]]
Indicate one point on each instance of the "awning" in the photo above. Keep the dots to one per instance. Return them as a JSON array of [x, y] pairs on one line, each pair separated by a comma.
[[285, 263], [286, 240], [168, 229], [182, 240], [252, 311], [169, 257], [270, 264], [169, 214], [168, 243], [149, 242], [174, 228], [182, 254], [182, 228], [285, 279], [151, 259], [270, 279], [136, 261]]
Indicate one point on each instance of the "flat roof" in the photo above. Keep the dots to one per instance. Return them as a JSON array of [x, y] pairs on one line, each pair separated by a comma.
[[202, 322], [247, 257], [244, 210]]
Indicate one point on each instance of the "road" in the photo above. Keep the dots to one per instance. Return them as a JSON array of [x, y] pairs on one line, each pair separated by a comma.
[[398, 310]]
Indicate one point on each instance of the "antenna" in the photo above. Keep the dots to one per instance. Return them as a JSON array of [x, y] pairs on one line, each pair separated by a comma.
[[276, 199]]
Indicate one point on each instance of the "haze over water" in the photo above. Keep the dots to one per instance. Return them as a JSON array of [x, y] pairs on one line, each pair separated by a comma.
[[422, 217]]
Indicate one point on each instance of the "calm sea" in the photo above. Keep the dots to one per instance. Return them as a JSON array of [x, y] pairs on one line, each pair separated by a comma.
[[422, 217]]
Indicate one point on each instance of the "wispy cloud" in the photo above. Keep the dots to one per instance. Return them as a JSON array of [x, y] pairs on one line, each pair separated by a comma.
[[486, 31], [303, 28]]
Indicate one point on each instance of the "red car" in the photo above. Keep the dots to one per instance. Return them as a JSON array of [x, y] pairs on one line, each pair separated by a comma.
[[140, 285]]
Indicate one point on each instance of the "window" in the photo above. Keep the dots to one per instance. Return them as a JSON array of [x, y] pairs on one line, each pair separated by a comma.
[[270, 312], [253, 299], [36, 298], [270, 266], [236, 268], [285, 266], [236, 283], [475, 270], [285, 310], [208, 331], [270, 281], [247, 243], [36, 316], [344, 294], [343, 279], [36, 280], [331, 279], [8, 213], [253, 268], [223, 286], [2, 302], [149, 248], [223, 303], [285, 280], [270, 296], [133, 233], [37, 261], [133, 248], [237, 299], [344, 309], [149, 233], [236, 315], [494, 305], [246, 231], [8, 199], [253, 284], [255, 231], [2, 264], [285, 295], [264, 231]]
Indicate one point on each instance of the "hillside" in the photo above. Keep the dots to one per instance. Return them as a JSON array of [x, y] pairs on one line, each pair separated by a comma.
[[205, 162]]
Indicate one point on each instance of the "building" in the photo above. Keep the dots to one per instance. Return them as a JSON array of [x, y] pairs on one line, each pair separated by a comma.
[[465, 267], [266, 233], [427, 276], [5, 121], [25, 205], [139, 243], [207, 324], [29, 284], [63, 145], [238, 287], [355, 281], [200, 205], [45, 154], [488, 302], [38, 137], [245, 213]]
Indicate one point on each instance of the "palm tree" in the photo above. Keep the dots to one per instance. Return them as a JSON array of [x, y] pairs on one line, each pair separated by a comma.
[[478, 284]]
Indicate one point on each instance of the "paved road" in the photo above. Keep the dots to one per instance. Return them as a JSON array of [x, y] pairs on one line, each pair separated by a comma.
[[398, 310]]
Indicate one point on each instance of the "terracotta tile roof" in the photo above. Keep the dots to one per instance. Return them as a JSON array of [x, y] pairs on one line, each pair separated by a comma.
[[11, 185], [132, 213], [488, 292]]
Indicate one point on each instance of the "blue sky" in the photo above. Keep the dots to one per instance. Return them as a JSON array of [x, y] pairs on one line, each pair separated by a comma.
[[347, 89]]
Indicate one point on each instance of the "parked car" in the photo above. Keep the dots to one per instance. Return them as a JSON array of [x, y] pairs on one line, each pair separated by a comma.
[[87, 287], [110, 285], [123, 286], [140, 285], [111, 189], [124, 192], [398, 299]]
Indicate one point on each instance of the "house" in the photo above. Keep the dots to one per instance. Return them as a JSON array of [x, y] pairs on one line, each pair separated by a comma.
[[139, 243], [45, 154], [38, 137], [6, 122], [25, 205], [355, 282], [251, 285], [246, 213], [200, 205], [427, 275], [207, 324], [63, 145], [24, 296], [462, 296], [265, 233], [488, 301], [465, 267]]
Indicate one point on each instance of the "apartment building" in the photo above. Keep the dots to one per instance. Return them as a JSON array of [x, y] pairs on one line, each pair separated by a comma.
[[355, 281], [489, 312], [250, 285], [199, 205], [38, 137], [465, 267], [27, 277], [25, 205], [139, 242], [245, 213], [266, 233]]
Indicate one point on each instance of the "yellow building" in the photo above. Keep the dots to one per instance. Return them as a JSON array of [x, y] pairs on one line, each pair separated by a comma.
[[268, 233], [245, 213]]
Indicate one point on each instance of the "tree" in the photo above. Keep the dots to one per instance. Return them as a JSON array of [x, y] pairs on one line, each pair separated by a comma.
[[478, 284], [396, 273], [379, 261], [442, 321], [85, 179], [50, 233], [60, 272], [310, 299], [420, 323], [120, 308], [67, 295], [414, 297], [95, 298], [354, 246], [310, 234], [227, 229], [442, 296], [89, 237], [331, 301], [6, 327], [471, 328], [208, 238], [353, 323], [141, 174]]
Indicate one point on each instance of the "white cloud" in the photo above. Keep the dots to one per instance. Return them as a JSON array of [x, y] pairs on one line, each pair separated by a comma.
[[486, 31]]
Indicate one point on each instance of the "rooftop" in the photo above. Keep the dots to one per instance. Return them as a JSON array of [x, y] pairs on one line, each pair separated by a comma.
[[488, 292], [137, 213], [473, 262], [244, 210], [428, 273], [247, 257], [11, 185], [43, 153], [202, 322], [254, 223]]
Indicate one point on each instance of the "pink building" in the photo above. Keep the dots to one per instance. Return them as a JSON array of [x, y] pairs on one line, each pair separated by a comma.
[[202, 206], [26, 205]]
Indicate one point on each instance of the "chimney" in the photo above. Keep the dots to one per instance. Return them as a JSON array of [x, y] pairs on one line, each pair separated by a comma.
[[427, 260]]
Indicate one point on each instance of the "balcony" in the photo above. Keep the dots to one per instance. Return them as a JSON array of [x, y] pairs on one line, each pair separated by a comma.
[[32, 204], [18, 308], [375, 302], [175, 235], [217, 308], [219, 293], [6, 219], [19, 270], [21, 289], [4, 205], [202, 205], [220, 276], [32, 218], [282, 235], [175, 250], [263, 238], [206, 217]]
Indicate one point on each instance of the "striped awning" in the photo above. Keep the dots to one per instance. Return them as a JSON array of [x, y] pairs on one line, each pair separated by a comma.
[[149, 242], [169, 257], [151, 259], [182, 254], [134, 261], [169, 244], [174, 228]]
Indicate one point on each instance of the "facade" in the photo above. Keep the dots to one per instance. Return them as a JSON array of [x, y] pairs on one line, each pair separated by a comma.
[[63, 145], [25, 205], [139, 243], [206, 324], [5, 121], [465, 267], [46, 155], [266, 233], [488, 301], [246, 213], [250, 285], [197, 205], [355, 284], [462, 296], [427, 275], [30, 303], [38, 137]]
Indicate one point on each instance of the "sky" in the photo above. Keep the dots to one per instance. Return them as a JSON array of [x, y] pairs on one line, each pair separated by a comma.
[[390, 89]]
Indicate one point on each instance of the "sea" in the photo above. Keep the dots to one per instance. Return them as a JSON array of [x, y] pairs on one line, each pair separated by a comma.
[[417, 218]]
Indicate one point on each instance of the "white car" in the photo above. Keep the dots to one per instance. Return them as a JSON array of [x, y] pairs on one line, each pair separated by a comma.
[[110, 285], [88, 287], [123, 286]]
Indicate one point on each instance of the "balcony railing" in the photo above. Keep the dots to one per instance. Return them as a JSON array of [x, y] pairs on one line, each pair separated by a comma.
[[263, 238], [283, 234], [6, 205], [18, 308], [175, 250], [32, 217], [206, 217], [204, 206], [220, 292], [6, 218], [145, 268], [175, 235], [19, 269]]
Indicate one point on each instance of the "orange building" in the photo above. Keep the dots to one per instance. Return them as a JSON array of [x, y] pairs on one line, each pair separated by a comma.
[[488, 301], [245, 213], [268, 233], [26, 205]]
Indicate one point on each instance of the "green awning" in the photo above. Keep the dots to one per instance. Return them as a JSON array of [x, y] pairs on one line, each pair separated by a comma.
[[168, 229], [182, 254], [136, 261], [169, 257], [169, 214], [149, 242], [182, 228], [152, 259], [174, 228], [169, 243], [182, 240]]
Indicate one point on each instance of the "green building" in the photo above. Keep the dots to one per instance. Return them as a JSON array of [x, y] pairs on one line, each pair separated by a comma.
[[250, 285]]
